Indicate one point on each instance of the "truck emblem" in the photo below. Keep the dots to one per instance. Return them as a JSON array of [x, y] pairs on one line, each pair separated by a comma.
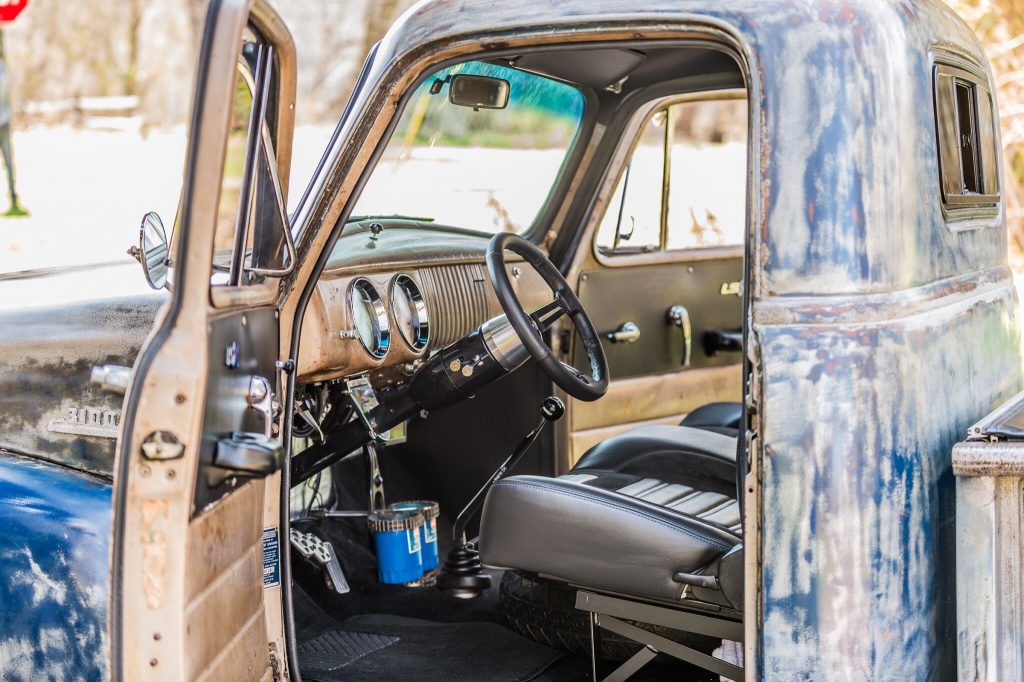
[[87, 421], [730, 288]]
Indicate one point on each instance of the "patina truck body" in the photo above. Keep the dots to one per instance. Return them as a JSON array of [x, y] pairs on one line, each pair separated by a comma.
[[870, 282]]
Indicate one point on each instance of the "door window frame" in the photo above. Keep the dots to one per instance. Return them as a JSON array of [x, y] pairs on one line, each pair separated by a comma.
[[620, 161]]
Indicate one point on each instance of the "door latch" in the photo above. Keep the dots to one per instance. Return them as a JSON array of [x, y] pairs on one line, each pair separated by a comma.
[[679, 316]]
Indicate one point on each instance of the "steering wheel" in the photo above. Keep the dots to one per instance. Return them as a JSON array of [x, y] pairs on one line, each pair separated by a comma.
[[531, 326]]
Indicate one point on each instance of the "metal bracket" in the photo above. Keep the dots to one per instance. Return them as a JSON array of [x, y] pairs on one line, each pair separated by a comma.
[[376, 499], [605, 613]]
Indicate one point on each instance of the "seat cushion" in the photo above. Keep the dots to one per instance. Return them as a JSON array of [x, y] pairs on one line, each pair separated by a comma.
[[695, 457], [708, 506], [604, 539], [721, 418]]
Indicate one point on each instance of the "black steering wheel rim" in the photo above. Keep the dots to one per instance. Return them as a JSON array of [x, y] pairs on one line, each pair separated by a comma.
[[528, 326]]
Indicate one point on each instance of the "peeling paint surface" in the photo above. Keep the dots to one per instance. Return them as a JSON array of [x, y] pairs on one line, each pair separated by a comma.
[[54, 548], [859, 506], [47, 354]]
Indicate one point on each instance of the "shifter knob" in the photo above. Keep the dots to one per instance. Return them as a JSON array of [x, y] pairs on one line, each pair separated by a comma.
[[552, 408]]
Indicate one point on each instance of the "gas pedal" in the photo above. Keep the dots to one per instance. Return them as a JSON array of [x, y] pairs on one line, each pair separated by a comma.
[[321, 554]]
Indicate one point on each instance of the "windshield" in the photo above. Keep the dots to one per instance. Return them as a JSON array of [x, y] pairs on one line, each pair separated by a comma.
[[483, 169]]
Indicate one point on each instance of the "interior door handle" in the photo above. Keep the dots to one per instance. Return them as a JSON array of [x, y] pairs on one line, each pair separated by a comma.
[[627, 333], [679, 316], [245, 454], [261, 399], [717, 340]]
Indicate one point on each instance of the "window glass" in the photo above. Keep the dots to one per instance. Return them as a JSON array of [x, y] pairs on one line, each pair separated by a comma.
[[633, 219], [249, 242], [707, 199], [967, 141], [232, 181], [489, 170], [702, 147]]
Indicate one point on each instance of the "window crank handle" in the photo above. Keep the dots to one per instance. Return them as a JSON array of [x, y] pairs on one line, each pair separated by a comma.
[[627, 333]]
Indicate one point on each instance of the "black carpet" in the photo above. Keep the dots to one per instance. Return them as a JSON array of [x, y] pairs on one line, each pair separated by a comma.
[[335, 649], [421, 650]]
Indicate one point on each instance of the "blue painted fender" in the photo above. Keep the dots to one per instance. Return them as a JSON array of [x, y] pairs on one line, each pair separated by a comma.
[[54, 568]]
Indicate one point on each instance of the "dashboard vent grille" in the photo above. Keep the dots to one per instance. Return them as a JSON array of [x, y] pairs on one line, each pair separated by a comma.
[[456, 299]]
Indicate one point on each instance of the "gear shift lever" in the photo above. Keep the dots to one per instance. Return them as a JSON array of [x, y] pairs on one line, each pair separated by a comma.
[[461, 574]]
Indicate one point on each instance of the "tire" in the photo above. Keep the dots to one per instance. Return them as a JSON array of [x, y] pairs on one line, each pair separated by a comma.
[[545, 611]]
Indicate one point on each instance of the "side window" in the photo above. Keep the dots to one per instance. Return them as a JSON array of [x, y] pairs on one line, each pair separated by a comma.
[[965, 125], [251, 240], [685, 184], [229, 218]]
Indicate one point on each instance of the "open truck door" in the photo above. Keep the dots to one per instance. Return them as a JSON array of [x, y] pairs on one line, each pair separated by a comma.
[[195, 557]]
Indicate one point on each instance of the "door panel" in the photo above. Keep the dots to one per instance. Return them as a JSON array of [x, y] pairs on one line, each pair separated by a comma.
[[643, 295], [224, 578], [649, 382], [253, 336]]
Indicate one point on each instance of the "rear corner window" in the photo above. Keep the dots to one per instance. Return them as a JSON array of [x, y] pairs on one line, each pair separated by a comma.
[[967, 143]]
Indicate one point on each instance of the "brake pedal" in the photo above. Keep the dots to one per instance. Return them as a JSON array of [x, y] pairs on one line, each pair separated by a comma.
[[321, 554]]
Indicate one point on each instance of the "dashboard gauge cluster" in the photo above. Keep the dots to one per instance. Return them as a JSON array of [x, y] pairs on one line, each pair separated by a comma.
[[410, 311], [369, 317], [369, 320]]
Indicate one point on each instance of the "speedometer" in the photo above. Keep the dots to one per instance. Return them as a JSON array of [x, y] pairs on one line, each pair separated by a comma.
[[369, 318], [410, 312]]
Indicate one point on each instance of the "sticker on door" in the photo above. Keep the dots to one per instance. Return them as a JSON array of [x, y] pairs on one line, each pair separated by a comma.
[[271, 558]]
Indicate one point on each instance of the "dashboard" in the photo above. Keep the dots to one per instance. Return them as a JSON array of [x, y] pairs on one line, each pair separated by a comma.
[[388, 300]]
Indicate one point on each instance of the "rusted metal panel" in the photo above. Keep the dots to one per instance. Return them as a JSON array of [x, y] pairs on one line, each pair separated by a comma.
[[78, 320], [858, 514], [990, 573], [53, 572]]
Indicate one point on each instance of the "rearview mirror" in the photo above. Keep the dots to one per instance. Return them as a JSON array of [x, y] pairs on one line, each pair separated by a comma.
[[152, 250], [479, 92]]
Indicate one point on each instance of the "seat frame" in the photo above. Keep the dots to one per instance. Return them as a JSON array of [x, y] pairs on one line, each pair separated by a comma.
[[606, 613]]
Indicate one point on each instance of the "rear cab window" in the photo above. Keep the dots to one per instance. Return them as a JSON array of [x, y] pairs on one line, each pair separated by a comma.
[[967, 143]]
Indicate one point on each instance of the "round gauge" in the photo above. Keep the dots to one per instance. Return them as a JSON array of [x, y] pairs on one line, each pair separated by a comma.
[[410, 312], [369, 318]]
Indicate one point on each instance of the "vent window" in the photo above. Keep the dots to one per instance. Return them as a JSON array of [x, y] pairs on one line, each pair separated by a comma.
[[968, 156]]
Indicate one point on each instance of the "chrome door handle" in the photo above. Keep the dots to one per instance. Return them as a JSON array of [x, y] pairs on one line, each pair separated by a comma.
[[627, 333], [261, 399], [679, 316]]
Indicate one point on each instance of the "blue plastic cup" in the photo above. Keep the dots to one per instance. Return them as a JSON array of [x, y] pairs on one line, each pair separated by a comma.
[[428, 535], [397, 539]]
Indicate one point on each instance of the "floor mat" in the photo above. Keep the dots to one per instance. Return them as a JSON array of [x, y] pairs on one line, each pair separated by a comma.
[[335, 649], [434, 652]]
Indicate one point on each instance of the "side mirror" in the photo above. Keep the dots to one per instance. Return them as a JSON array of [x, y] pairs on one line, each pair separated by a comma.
[[479, 92], [152, 250]]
